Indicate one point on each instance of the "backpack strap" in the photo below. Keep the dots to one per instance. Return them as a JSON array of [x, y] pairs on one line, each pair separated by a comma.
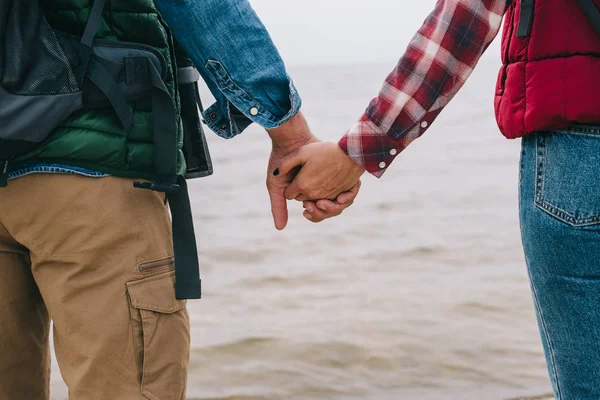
[[592, 13], [93, 23], [91, 28], [526, 18], [100, 76], [187, 267]]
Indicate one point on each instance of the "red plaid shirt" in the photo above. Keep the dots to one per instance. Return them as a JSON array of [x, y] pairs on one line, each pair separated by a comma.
[[438, 61]]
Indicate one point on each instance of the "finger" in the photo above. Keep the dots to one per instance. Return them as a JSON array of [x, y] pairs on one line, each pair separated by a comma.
[[325, 204], [312, 213], [310, 206], [316, 217], [350, 195], [293, 190], [288, 163], [278, 209], [316, 212], [302, 198], [332, 209]]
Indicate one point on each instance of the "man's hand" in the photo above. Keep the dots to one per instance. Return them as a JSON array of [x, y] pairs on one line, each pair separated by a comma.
[[290, 136], [326, 172]]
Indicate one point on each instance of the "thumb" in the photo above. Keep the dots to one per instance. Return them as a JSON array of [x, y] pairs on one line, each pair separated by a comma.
[[291, 161], [278, 207], [350, 195]]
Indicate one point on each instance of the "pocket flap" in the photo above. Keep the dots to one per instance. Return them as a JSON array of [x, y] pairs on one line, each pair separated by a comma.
[[156, 293]]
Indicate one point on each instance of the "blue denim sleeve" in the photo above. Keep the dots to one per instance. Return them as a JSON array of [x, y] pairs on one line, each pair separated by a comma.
[[238, 61]]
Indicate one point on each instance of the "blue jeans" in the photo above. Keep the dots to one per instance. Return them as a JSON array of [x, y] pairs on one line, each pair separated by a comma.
[[560, 225]]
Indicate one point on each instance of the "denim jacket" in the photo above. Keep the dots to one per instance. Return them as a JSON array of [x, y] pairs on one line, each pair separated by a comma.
[[238, 61]]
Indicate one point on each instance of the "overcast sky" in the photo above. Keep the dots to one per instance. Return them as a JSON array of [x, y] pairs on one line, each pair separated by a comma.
[[343, 31]]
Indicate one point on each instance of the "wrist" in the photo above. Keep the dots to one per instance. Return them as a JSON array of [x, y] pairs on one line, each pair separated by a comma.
[[357, 169], [293, 133], [354, 165]]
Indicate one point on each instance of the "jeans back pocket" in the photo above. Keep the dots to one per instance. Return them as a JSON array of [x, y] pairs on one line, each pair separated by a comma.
[[568, 175]]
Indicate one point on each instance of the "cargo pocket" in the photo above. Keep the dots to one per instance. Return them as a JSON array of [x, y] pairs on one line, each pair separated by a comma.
[[568, 175], [161, 336]]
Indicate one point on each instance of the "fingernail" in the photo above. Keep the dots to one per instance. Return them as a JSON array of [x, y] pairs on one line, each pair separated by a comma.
[[276, 172], [322, 208], [309, 216], [309, 209]]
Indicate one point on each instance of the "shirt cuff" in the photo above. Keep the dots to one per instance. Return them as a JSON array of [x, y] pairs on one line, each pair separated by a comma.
[[241, 109], [374, 150]]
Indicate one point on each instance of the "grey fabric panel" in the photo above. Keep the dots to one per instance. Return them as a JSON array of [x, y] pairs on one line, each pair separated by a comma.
[[187, 75], [33, 118], [117, 54]]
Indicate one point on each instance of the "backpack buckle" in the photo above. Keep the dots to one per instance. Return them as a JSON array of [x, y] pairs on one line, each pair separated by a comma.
[[158, 187]]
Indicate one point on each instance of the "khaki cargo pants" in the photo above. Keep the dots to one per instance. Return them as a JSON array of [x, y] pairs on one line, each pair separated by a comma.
[[95, 256]]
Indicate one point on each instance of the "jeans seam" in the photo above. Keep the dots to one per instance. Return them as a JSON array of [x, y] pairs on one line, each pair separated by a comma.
[[565, 217], [544, 327]]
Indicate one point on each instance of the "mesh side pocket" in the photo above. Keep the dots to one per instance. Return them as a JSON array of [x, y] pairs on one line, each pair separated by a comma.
[[34, 63]]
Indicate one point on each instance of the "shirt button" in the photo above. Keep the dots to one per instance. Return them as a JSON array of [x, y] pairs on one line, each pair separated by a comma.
[[254, 111], [213, 116], [382, 165], [424, 124], [393, 152]]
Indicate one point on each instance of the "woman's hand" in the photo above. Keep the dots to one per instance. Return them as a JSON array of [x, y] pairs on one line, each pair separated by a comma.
[[326, 172]]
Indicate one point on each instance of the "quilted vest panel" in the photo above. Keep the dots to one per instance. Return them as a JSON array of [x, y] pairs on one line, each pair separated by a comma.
[[550, 79]]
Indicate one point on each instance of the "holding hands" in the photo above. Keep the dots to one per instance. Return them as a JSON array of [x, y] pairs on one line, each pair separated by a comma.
[[303, 168]]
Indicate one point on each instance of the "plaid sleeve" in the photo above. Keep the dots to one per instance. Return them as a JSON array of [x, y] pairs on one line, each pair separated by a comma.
[[438, 61]]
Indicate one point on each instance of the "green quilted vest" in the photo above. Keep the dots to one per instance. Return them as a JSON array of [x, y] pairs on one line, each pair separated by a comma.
[[95, 139]]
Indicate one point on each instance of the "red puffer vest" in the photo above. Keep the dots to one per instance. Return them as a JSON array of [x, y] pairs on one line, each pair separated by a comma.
[[550, 77]]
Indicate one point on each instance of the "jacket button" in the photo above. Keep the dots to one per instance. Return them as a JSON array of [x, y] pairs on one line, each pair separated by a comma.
[[213, 115], [254, 111], [223, 127]]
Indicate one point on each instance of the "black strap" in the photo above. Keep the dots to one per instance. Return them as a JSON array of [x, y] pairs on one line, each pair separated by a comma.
[[104, 80], [140, 70], [526, 18], [85, 49], [165, 126], [195, 148], [187, 268], [592, 12], [93, 23]]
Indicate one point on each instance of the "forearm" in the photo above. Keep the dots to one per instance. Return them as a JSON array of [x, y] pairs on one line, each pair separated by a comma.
[[239, 62], [438, 61]]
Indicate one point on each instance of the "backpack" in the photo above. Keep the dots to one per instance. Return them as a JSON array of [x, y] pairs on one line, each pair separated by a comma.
[[47, 75]]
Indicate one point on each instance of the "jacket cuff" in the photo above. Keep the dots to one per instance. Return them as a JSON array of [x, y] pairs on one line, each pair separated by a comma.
[[241, 109]]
